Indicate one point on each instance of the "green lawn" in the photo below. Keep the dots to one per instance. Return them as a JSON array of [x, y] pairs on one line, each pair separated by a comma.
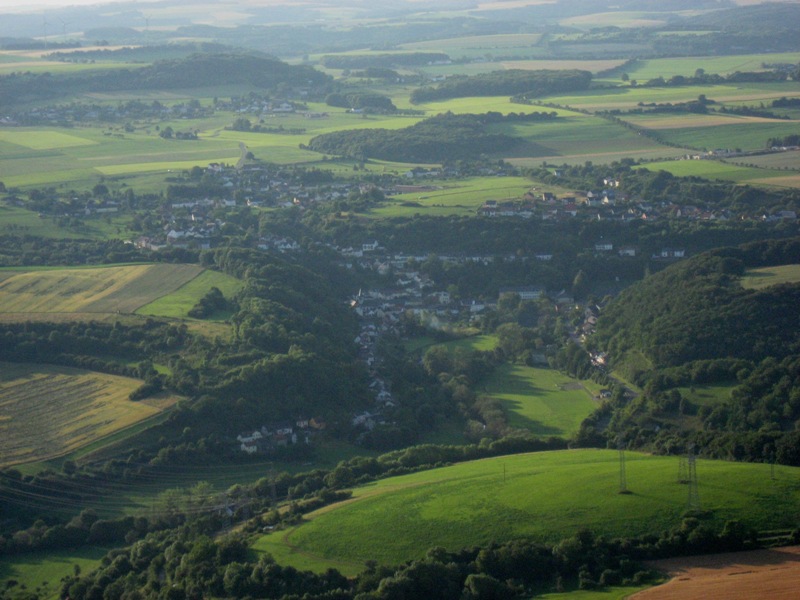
[[543, 401], [545, 496]]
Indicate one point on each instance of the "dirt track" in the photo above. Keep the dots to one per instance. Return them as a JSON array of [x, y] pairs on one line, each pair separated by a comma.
[[772, 574]]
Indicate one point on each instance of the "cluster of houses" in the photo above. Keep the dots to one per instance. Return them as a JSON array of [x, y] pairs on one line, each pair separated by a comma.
[[606, 204], [269, 438]]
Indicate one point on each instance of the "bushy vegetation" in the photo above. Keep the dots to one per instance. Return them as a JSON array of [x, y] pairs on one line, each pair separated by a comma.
[[441, 138]]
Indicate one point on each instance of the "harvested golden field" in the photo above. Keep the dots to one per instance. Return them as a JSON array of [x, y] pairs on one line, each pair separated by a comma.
[[593, 66], [773, 574], [95, 291], [48, 411]]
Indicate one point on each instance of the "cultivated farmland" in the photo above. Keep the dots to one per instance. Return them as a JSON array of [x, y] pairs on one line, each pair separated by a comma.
[[47, 411], [96, 291], [545, 496]]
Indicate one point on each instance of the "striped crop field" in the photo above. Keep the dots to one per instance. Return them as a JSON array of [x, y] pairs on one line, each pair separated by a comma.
[[47, 411], [101, 290]]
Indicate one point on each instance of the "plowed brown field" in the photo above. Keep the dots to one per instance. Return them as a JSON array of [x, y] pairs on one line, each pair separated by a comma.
[[772, 574]]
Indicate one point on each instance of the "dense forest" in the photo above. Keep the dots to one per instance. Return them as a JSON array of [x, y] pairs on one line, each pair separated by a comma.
[[698, 309], [196, 70]]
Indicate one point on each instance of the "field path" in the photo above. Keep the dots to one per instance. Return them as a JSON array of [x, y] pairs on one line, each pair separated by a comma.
[[773, 574]]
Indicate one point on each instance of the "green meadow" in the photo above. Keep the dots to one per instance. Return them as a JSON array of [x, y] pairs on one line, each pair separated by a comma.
[[543, 496], [543, 401], [746, 135], [715, 169], [41, 572], [756, 279], [461, 197], [708, 395], [178, 303]]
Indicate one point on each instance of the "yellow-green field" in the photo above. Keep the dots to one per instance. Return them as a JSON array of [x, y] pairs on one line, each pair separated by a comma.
[[103, 290], [756, 279], [47, 411]]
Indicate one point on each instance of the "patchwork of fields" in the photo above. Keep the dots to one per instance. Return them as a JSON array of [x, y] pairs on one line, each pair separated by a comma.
[[47, 411], [103, 290]]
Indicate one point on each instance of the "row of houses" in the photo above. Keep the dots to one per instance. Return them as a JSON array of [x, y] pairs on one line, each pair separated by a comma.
[[268, 438]]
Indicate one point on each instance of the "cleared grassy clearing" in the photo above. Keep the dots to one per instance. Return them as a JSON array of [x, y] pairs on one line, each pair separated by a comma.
[[180, 302], [756, 279], [708, 395], [47, 411], [46, 569], [544, 496], [101, 290], [543, 401]]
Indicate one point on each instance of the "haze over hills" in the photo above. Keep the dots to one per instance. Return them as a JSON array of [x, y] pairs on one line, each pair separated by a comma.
[[282, 283]]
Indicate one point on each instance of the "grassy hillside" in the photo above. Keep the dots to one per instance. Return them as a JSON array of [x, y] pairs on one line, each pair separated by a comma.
[[545, 496], [48, 411]]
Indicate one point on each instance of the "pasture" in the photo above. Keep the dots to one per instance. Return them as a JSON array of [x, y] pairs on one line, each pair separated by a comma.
[[48, 411], [716, 169], [542, 401], [757, 279], [178, 303], [544, 496], [746, 135], [101, 290], [461, 197]]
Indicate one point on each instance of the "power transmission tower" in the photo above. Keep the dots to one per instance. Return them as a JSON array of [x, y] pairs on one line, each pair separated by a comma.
[[623, 478], [683, 471], [693, 500]]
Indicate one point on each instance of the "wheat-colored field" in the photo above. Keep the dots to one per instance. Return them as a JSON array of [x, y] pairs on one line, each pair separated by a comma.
[[47, 411], [102, 290]]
